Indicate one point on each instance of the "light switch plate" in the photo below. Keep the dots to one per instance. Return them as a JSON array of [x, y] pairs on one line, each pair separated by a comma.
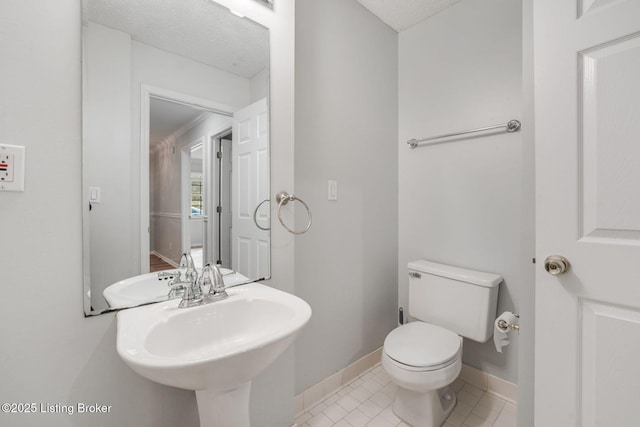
[[95, 194], [12, 160], [332, 190]]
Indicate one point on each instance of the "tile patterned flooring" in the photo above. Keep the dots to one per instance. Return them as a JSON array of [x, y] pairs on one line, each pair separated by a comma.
[[367, 402]]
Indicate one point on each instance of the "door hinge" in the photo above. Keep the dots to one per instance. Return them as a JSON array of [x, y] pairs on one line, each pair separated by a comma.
[[219, 209], [219, 154]]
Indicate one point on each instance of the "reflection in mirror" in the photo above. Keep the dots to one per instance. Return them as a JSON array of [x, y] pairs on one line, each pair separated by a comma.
[[175, 146]]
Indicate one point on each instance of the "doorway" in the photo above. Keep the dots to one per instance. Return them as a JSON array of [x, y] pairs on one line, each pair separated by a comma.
[[180, 179], [222, 159]]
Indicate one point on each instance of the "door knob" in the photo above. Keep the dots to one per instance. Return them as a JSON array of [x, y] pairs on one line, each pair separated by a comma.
[[556, 264]]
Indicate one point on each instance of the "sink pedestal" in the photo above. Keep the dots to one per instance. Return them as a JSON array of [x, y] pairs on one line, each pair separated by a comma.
[[229, 408], [215, 349]]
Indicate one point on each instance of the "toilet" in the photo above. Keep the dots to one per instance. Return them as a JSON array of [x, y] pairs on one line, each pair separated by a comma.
[[423, 357]]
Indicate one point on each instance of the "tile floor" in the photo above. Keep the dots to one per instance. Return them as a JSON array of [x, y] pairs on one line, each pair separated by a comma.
[[367, 401]]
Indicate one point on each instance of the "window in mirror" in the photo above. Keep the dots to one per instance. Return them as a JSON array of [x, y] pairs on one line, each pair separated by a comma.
[[196, 194]]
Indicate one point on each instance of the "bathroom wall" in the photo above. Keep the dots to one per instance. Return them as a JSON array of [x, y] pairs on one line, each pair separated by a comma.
[[107, 115], [259, 86], [346, 130], [50, 352], [461, 203]]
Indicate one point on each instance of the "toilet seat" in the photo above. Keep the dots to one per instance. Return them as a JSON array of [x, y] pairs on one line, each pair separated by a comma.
[[420, 346]]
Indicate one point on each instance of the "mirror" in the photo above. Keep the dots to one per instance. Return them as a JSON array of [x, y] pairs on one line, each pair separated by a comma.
[[175, 144]]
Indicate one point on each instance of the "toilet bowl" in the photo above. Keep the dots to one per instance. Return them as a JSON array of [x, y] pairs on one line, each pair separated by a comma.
[[424, 357]]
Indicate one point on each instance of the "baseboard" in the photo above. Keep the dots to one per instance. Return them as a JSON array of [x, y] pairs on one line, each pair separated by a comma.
[[318, 392], [165, 259], [490, 383]]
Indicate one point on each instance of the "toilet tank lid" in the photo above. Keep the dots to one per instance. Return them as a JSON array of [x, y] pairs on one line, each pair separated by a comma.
[[479, 278]]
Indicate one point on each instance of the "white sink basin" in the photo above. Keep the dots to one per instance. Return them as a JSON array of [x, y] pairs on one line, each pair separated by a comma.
[[215, 349], [148, 288]]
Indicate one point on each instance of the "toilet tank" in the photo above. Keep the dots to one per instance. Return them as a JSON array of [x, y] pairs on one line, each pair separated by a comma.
[[463, 301]]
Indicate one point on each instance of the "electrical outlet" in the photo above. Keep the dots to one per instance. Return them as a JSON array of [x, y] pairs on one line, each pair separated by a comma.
[[6, 167], [11, 168]]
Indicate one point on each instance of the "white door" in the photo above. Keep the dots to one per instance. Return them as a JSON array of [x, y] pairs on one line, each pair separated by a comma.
[[587, 96], [250, 186], [225, 166]]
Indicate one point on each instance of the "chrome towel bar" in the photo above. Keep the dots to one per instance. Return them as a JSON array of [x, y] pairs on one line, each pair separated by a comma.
[[510, 126]]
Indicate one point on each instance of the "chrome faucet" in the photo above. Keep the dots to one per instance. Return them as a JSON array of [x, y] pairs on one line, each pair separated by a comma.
[[185, 282], [211, 284], [209, 287]]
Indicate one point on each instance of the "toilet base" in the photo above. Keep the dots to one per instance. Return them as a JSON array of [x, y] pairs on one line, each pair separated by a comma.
[[429, 409]]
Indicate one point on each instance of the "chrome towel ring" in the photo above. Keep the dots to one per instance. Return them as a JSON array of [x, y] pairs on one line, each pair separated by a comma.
[[283, 198], [255, 213]]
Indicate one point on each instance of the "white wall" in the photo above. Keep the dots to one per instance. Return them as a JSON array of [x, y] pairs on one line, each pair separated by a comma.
[[346, 130], [50, 352], [460, 203], [259, 85], [107, 118]]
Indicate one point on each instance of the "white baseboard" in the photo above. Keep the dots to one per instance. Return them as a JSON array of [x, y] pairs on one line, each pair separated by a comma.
[[490, 383], [165, 259], [318, 392]]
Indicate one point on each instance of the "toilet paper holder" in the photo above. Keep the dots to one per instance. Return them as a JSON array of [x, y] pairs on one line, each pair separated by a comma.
[[502, 324]]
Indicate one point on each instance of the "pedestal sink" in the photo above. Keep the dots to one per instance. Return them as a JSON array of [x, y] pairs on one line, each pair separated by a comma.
[[214, 349]]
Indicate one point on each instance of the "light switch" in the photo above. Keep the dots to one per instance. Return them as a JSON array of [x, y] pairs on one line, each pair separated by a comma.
[[11, 168], [333, 190], [94, 195]]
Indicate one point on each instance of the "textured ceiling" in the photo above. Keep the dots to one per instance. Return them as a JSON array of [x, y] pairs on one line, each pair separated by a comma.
[[196, 29], [402, 14]]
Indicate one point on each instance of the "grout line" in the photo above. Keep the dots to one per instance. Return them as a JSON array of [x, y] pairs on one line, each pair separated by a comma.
[[466, 413], [353, 370], [317, 393]]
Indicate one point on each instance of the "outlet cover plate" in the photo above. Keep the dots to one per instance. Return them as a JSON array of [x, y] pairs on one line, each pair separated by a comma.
[[12, 160]]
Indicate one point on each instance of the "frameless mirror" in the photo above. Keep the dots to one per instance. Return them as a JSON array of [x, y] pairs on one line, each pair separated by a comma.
[[175, 146]]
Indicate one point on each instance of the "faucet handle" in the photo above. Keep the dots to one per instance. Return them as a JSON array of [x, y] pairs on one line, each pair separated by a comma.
[[204, 282], [211, 283], [190, 298]]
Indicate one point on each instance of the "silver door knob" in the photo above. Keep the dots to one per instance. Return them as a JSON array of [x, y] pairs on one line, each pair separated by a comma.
[[556, 264]]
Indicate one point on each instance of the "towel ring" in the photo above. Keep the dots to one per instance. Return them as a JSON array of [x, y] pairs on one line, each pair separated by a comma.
[[255, 213], [283, 198]]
